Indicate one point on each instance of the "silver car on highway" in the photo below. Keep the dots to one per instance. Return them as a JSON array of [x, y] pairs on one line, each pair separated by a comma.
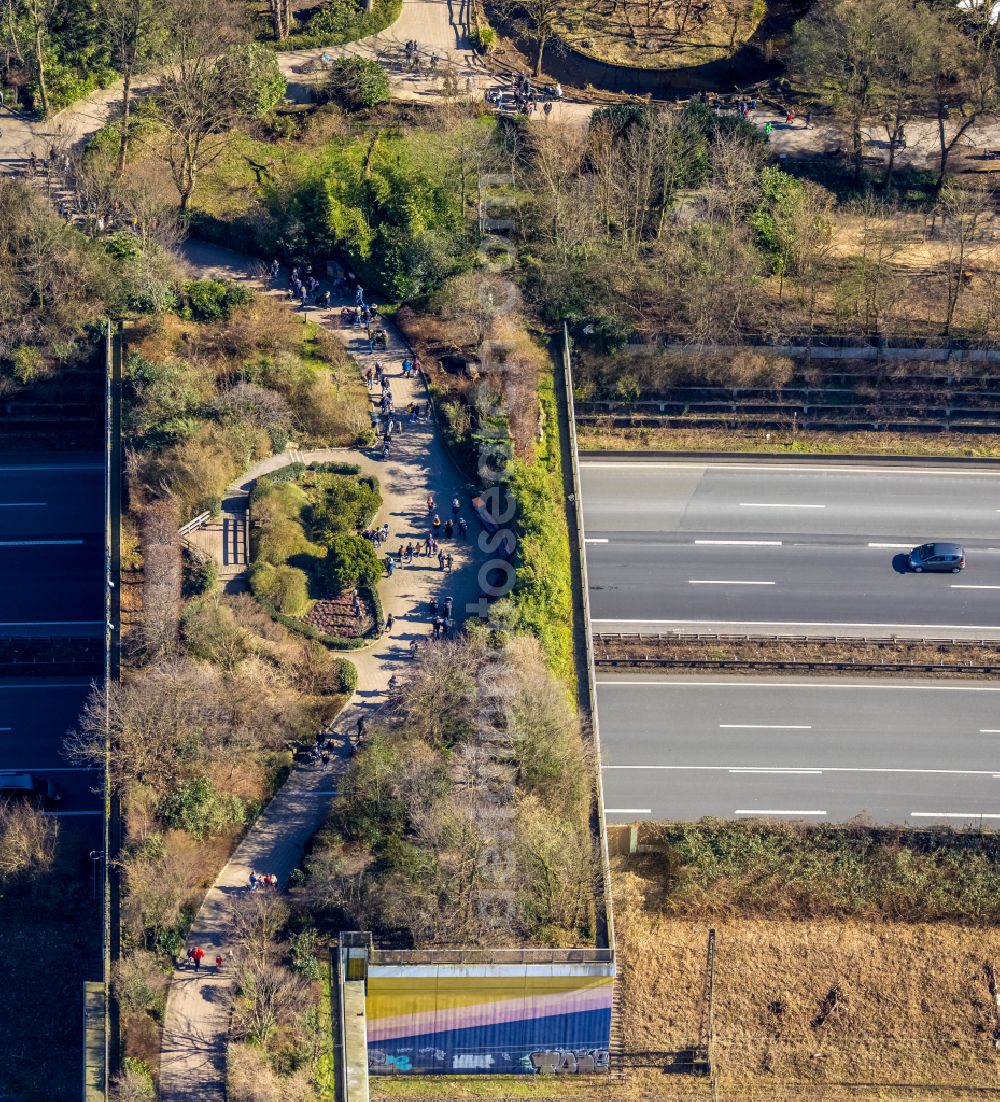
[[940, 557]]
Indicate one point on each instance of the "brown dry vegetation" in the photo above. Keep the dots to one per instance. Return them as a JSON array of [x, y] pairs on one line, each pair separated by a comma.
[[913, 1003], [971, 446], [229, 393], [853, 652]]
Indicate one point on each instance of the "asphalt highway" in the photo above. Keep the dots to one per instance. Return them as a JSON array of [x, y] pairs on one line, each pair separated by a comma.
[[35, 716], [786, 548], [51, 584], [822, 750], [51, 548]]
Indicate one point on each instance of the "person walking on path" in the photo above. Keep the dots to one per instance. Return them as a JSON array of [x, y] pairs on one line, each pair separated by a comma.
[[463, 528], [455, 506], [451, 562], [440, 560], [197, 953]]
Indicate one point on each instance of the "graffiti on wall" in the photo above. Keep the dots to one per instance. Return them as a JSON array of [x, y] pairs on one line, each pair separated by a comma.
[[564, 1061], [427, 1021]]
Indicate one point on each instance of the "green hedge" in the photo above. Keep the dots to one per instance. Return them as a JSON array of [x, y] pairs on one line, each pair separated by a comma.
[[348, 677], [334, 24], [543, 590]]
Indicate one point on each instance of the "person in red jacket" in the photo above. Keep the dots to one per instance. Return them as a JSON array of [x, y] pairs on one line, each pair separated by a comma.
[[196, 955]]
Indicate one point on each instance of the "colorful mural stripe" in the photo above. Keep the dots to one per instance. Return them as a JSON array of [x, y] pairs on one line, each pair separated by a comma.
[[450, 1019]]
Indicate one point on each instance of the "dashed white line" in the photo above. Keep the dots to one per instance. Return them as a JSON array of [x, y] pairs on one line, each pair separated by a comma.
[[589, 540], [628, 811], [989, 730], [22, 504], [49, 623], [46, 684], [762, 811], [778, 505], [768, 772], [699, 581], [40, 543], [975, 587], [738, 543], [64, 814], [763, 727], [899, 546], [951, 815], [6, 468]]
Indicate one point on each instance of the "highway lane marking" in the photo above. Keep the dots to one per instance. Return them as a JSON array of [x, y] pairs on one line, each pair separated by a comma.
[[697, 581], [763, 727], [8, 468], [40, 543], [796, 772], [737, 543], [989, 730], [48, 623], [590, 540], [55, 769], [897, 546], [975, 587], [47, 685], [799, 685], [805, 624], [22, 504], [821, 769], [759, 811], [777, 505], [951, 815], [845, 469], [628, 811], [63, 814]]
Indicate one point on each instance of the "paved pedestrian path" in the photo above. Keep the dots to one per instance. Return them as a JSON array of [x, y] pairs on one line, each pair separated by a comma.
[[197, 1015]]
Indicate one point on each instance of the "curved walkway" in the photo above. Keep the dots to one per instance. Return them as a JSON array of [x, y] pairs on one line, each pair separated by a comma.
[[442, 28], [197, 1015]]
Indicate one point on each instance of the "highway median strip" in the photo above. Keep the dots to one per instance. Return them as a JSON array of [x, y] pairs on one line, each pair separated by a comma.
[[944, 658]]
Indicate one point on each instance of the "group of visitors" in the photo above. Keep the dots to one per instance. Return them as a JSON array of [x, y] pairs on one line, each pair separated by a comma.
[[303, 287], [525, 97], [268, 880], [196, 955]]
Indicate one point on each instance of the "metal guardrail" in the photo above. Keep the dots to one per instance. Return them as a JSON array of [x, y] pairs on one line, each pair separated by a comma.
[[567, 367], [789, 664], [831, 640], [397, 957]]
